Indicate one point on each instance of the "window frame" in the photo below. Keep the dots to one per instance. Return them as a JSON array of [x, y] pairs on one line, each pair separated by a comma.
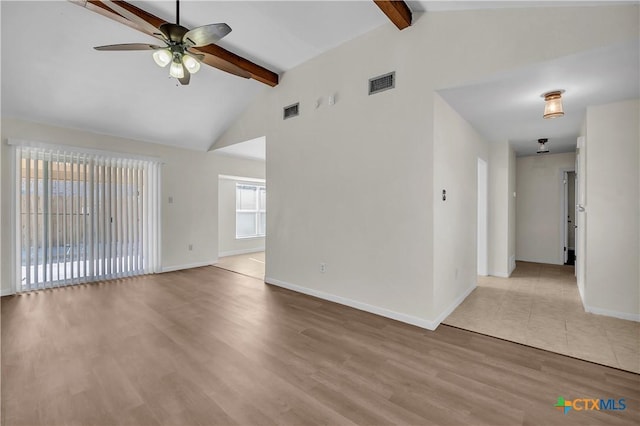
[[257, 211]]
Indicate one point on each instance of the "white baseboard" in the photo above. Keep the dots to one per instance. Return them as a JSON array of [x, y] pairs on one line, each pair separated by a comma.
[[512, 264], [499, 274], [545, 261], [6, 292], [237, 252], [444, 314], [383, 312], [614, 314], [581, 292], [189, 266]]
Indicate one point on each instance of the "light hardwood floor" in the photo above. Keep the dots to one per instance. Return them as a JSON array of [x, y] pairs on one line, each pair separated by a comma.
[[539, 306], [251, 264], [207, 346]]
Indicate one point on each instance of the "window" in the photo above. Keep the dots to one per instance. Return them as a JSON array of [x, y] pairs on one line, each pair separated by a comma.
[[82, 217], [251, 219]]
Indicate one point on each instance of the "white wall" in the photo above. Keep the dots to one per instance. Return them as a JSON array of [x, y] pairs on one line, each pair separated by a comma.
[[501, 208], [455, 220], [540, 225], [187, 176], [228, 243], [612, 209], [352, 185]]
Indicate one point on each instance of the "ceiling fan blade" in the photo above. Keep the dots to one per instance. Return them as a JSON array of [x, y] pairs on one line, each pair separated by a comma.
[[223, 65], [198, 56], [173, 32], [128, 46], [206, 34], [187, 77], [144, 25]]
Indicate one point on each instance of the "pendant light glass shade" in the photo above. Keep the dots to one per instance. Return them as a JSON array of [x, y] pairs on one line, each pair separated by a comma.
[[191, 63], [162, 57], [176, 70], [553, 104]]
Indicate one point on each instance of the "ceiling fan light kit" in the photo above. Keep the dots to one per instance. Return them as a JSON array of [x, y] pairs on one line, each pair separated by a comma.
[[178, 41], [553, 104], [191, 63], [162, 57]]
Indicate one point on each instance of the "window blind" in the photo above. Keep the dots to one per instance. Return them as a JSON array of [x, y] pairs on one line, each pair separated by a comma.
[[83, 217]]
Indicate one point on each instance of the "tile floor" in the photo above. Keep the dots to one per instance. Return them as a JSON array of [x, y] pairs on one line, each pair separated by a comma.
[[539, 306], [251, 264]]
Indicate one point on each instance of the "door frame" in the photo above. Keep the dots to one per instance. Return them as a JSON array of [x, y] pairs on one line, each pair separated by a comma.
[[564, 211], [482, 245]]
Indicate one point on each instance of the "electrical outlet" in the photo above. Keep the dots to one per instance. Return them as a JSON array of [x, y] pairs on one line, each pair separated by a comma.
[[323, 268], [190, 247], [170, 199]]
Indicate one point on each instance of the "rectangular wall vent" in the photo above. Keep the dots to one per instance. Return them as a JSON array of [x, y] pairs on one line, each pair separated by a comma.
[[382, 83], [291, 111]]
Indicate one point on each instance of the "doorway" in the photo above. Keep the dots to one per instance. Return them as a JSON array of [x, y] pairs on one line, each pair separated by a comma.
[[569, 217]]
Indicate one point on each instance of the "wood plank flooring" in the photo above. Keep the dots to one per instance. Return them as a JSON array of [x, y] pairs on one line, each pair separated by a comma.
[[207, 346]]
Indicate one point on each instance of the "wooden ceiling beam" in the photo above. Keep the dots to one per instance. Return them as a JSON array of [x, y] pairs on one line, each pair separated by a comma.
[[397, 11], [257, 72]]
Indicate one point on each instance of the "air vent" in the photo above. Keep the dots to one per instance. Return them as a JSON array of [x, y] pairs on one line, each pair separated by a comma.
[[382, 83], [291, 111]]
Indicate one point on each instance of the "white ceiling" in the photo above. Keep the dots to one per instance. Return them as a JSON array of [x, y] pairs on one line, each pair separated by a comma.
[[508, 106], [255, 149], [51, 74]]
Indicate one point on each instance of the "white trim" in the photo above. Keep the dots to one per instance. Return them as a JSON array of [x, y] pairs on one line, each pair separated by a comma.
[[536, 260], [408, 319], [188, 266], [7, 292], [512, 264], [452, 307], [81, 150], [242, 179], [614, 314], [564, 212], [237, 252], [499, 275], [581, 291], [482, 222], [16, 236]]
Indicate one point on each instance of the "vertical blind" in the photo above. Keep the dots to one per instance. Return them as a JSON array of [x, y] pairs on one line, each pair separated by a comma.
[[83, 217]]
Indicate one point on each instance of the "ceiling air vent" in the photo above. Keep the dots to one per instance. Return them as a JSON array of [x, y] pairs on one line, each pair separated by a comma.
[[291, 111], [382, 83]]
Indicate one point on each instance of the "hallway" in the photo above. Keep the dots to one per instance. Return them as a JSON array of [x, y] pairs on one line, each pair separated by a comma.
[[539, 306]]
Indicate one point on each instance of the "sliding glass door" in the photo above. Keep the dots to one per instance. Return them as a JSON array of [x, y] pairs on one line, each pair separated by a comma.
[[83, 217]]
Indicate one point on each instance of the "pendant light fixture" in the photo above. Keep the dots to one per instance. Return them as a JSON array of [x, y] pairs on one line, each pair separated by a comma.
[[542, 146], [553, 104]]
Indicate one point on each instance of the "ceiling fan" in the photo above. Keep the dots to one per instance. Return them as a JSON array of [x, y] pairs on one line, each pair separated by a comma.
[[178, 44]]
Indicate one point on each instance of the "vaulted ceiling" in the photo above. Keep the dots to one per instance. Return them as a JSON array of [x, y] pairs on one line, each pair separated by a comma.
[[51, 73]]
